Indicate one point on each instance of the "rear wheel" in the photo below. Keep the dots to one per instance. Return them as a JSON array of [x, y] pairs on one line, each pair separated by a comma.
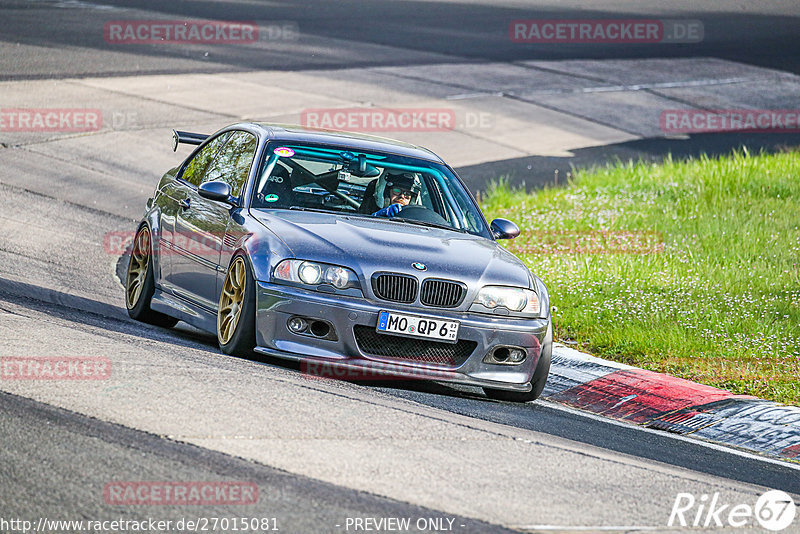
[[538, 380], [140, 284], [236, 315]]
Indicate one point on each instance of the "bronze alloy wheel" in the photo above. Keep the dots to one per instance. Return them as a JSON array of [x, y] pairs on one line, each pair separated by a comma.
[[137, 267], [140, 283], [231, 301]]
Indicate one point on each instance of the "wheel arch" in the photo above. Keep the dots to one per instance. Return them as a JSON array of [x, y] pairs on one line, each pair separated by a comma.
[[153, 221], [261, 256]]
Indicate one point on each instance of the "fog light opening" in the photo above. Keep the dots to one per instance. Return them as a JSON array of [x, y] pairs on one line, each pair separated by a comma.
[[506, 356], [320, 328], [516, 355], [298, 325], [502, 354]]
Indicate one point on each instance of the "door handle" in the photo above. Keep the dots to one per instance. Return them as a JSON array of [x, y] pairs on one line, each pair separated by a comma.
[[185, 203]]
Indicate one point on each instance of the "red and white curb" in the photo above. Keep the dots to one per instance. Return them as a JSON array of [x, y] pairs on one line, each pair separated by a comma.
[[672, 404]]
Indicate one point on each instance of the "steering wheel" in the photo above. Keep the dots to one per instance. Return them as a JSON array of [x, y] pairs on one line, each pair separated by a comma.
[[415, 212]]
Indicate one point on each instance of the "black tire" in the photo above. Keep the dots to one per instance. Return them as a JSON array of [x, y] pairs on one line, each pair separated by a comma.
[[138, 304], [243, 339], [538, 380]]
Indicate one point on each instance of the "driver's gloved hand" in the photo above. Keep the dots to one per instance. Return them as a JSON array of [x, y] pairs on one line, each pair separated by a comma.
[[389, 211]]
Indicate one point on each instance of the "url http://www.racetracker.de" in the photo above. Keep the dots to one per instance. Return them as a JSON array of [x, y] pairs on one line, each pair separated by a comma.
[[196, 524]]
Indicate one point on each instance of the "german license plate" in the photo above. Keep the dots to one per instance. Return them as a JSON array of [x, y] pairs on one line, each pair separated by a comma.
[[418, 326]]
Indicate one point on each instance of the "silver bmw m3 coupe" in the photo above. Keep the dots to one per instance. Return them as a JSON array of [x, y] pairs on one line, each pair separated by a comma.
[[346, 252]]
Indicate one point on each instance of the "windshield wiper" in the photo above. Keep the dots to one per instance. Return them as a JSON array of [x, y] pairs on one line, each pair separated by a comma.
[[317, 210]]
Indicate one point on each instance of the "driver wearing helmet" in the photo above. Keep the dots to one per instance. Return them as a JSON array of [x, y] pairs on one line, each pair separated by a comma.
[[401, 190]]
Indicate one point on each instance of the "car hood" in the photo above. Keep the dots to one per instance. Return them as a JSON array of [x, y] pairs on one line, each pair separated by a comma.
[[368, 245]]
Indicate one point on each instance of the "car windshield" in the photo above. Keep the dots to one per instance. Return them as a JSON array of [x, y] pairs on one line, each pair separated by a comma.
[[341, 180]]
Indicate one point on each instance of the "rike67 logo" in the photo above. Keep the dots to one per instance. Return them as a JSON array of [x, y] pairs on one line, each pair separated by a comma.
[[774, 510]]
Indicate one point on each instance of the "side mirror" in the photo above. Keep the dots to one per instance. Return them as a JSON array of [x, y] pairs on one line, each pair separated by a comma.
[[504, 229], [216, 191]]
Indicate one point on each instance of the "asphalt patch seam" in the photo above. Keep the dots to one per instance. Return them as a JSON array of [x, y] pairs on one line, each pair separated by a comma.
[[80, 207], [81, 82], [510, 95]]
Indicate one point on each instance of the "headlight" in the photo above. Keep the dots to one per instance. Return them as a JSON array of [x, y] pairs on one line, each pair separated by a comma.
[[515, 299], [313, 274], [310, 273]]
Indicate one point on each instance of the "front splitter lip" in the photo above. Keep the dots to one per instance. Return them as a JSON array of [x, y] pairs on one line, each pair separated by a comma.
[[356, 369]]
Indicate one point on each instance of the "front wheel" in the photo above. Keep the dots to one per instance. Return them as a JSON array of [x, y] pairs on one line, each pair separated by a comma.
[[538, 380], [236, 315], [140, 283]]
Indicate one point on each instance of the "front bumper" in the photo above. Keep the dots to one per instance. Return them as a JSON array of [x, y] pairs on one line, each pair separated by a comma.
[[341, 356]]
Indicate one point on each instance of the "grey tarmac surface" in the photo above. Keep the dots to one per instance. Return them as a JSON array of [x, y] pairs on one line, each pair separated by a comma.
[[64, 38], [56, 464]]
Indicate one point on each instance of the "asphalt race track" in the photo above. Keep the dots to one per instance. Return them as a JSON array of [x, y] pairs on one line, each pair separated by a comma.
[[56, 37], [321, 453]]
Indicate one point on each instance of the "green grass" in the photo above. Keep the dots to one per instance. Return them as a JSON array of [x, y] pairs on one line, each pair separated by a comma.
[[685, 267]]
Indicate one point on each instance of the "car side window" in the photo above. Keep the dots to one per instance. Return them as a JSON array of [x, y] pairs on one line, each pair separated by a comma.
[[232, 165], [195, 168]]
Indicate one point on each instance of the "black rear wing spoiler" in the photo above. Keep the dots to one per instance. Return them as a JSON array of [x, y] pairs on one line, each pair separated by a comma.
[[188, 138]]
